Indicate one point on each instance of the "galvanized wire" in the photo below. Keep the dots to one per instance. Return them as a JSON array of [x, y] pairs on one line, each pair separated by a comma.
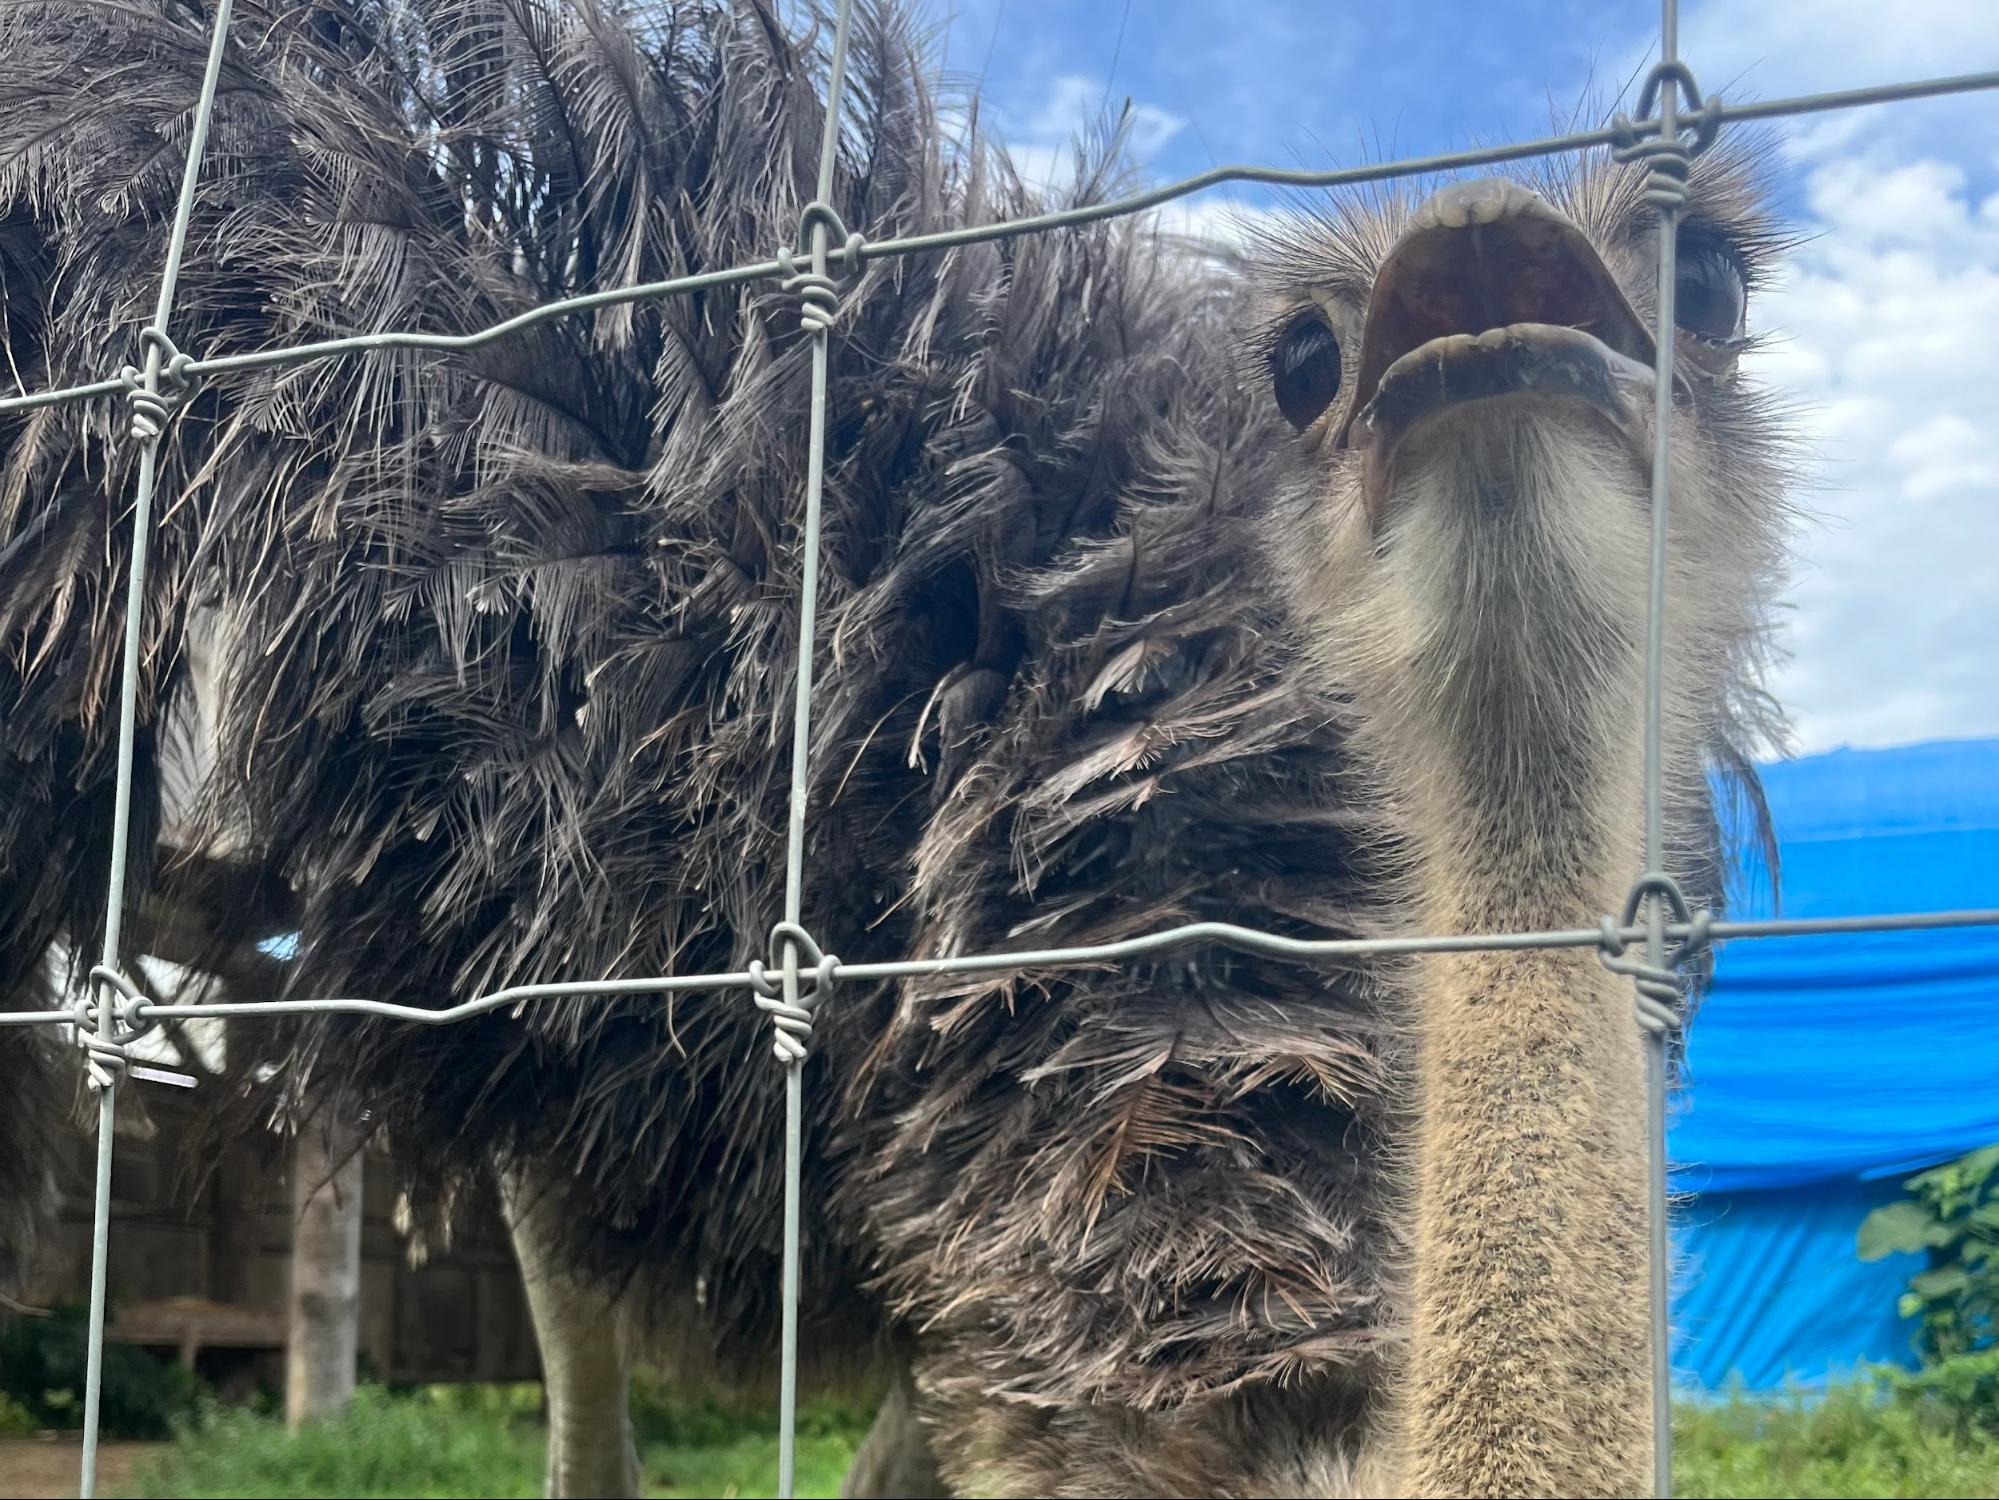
[[805, 974], [1667, 189], [820, 301], [149, 410], [1453, 161], [1612, 937]]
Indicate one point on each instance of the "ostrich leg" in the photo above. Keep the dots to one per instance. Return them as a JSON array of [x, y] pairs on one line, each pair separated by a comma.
[[894, 1461], [585, 1367]]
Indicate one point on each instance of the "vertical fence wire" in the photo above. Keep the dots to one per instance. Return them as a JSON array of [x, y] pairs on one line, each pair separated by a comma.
[[148, 431], [817, 324], [119, 1007], [1655, 1040]]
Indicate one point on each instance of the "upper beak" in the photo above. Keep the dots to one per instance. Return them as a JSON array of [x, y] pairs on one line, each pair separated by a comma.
[[1485, 255]]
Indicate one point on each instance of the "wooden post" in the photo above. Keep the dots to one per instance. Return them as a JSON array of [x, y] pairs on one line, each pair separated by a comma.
[[324, 1308]]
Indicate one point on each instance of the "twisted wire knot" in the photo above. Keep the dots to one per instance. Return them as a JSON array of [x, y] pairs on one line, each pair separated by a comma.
[[790, 947], [1661, 1000], [105, 1056], [819, 294], [152, 408], [1669, 156]]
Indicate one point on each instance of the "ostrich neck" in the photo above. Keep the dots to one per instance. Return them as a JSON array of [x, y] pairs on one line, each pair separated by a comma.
[[1528, 1361]]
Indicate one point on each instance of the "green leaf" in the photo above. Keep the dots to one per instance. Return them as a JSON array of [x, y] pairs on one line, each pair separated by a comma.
[[1899, 1226], [1956, 1185], [1980, 1164], [1940, 1281]]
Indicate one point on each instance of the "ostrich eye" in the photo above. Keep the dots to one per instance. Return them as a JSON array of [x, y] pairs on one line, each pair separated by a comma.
[[1305, 371], [1708, 296]]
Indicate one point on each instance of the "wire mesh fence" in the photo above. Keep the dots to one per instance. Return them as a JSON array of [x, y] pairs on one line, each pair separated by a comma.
[[1654, 934]]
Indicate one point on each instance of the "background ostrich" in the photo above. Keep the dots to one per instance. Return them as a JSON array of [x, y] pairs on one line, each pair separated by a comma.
[[1108, 645], [80, 210]]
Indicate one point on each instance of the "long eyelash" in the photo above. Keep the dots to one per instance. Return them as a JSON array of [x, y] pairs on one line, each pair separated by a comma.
[[1268, 337], [1720, 239], [1734, 344], [1753, 247], [1289, 353]]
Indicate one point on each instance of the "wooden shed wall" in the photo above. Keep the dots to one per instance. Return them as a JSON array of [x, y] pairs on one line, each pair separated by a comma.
[[219, 1232]]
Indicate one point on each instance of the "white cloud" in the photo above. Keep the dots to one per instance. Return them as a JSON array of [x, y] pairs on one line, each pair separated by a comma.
[[1042, 147], [1213, 218], [1884, 336], [1885, 327], [1789, 46], [1944, 455], [1077, 102], [1076, 106], [1042, 167], [1879, 202]]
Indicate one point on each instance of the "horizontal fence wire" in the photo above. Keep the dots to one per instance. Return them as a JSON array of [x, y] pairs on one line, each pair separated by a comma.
[[441, 343], [1191, 934], [799, 974]]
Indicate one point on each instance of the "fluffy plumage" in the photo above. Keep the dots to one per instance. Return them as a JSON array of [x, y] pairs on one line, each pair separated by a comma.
[[507, 650], [86, 184], [510, 675]]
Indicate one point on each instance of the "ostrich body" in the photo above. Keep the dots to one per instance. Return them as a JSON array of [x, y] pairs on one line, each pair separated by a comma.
[[65, 486], [1306, 594]]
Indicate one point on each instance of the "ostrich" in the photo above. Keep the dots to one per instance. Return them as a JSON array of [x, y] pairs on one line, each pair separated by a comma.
[[86, 224], [1305, 594]]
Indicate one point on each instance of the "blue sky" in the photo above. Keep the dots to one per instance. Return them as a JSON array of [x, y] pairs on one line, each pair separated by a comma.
[[1886, 326], [1297, 83]]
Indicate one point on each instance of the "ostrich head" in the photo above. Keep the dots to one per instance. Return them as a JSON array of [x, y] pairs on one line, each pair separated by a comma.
[[1466, 529], [1466, 523]]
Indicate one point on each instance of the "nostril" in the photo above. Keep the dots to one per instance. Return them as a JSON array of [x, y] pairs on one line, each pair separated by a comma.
[[1479, 200], [1496, 267]]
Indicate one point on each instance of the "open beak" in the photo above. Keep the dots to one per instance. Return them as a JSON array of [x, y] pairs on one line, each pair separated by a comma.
[[1492, 292]]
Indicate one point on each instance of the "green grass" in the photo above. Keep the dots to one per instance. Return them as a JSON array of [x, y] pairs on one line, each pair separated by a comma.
[[747, 1466], [1852, 1442], [483, 1440], [707, 1448], [382, 1445]]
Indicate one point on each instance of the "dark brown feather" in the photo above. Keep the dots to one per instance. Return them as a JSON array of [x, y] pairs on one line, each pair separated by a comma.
[[508, 651]]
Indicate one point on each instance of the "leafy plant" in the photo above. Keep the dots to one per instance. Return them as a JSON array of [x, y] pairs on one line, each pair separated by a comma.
[[513, 1403], [1951, 1216], [1952, 1213], [42, 1364], [15, 1419], [481, 1440], [381, 1445], [1850, 1440], [1961, 1390]]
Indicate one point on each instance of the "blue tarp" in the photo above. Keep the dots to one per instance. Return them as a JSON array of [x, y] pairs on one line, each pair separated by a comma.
[[1823, 1070], [1769, 1292]]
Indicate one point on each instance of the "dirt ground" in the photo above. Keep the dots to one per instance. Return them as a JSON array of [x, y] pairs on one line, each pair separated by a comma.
[[40, 1469]]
